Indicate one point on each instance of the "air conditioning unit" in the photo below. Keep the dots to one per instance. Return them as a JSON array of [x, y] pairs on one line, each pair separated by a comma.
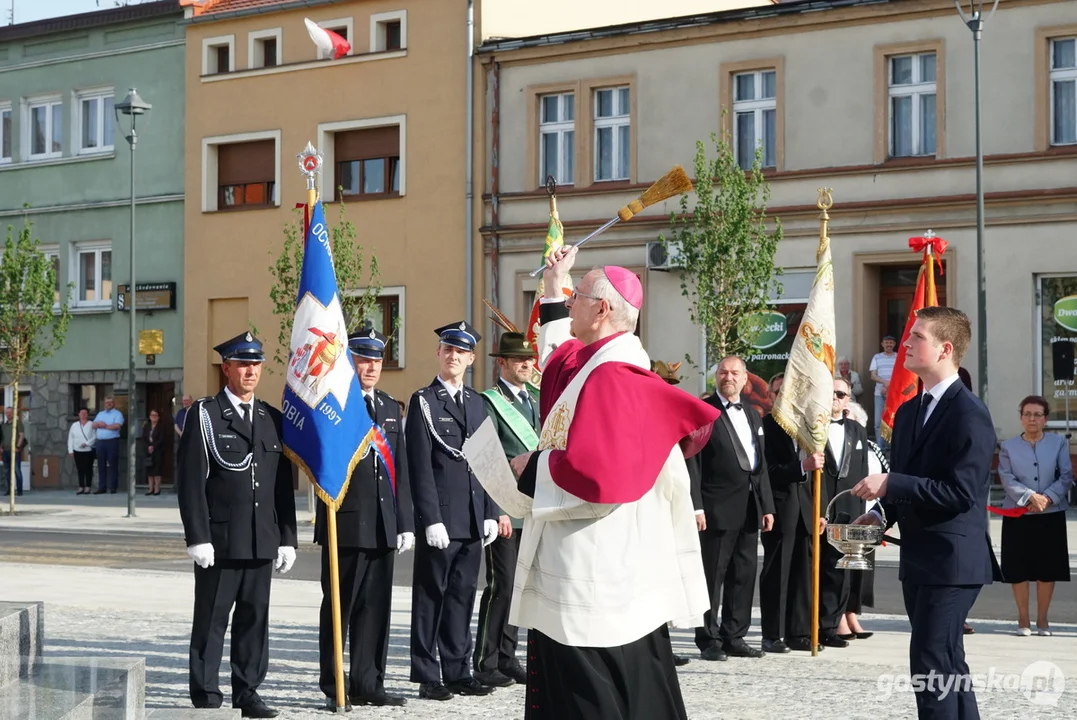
[[663, 256]]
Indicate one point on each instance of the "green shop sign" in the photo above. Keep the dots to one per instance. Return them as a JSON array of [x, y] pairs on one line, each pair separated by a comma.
[[767, 328], [1066, 312]]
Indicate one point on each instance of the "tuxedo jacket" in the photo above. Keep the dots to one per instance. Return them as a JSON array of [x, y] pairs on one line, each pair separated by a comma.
[[246, 514], [443, 487], [853, 469], [722, 480], [937, 491], [790, 485], [369, 517]]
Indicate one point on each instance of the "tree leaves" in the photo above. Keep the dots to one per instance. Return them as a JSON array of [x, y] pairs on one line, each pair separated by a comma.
[[726, 249]]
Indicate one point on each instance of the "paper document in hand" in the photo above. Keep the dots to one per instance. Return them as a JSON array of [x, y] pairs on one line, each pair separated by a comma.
[[487, 460]]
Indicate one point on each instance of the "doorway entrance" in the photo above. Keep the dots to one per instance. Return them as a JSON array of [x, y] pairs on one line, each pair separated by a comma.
[[897, 285], [161, 397]]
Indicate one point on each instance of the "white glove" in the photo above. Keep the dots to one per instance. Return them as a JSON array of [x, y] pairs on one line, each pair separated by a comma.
[[202, 554], [437, 536], [285, 559], [489, 532], [405, 542]]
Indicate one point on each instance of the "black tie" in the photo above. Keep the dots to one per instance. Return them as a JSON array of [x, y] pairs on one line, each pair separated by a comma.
[[460, 403], [921, 414], [370, 408], [525, 400], [731, 406], [246, 408], [838, 422]]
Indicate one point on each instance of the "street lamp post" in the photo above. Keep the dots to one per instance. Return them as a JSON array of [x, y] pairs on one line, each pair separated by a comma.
[[975, 20], [132, 106]]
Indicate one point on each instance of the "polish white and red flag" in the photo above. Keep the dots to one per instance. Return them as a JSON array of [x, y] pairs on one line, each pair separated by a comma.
[[330, 43]]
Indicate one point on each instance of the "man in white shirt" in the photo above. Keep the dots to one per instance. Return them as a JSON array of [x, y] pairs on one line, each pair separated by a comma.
[[882, 369]]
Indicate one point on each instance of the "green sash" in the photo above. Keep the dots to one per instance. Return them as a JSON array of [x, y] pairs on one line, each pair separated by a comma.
[[515, 419]]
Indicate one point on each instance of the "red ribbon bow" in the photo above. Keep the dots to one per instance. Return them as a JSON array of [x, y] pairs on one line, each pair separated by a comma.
[[937, 244]]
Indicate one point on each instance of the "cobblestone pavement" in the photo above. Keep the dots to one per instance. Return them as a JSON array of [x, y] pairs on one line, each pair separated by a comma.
[[846, 683]]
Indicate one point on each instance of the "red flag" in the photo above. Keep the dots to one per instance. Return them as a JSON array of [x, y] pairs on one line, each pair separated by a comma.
[[329, 42], [903, 383]]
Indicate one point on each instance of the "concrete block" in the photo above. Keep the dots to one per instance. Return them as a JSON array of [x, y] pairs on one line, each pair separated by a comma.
[[22, 636], [25, 700], [117, 684]]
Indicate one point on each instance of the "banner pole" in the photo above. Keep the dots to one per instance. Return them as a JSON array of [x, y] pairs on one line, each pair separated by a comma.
[[817, 479], [930, 298], [334, 582]]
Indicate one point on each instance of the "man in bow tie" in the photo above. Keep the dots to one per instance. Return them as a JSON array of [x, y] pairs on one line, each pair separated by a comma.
[[732, 497], [846, 464]]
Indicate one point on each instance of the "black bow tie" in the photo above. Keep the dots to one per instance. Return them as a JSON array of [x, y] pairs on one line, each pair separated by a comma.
[[732, 406], [838, 422]]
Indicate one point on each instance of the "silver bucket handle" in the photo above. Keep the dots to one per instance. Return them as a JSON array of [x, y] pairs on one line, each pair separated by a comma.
[[826, 515]]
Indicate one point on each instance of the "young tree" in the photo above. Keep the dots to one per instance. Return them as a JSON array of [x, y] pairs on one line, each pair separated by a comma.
[[349, 262], [725, 248], [31, 326]]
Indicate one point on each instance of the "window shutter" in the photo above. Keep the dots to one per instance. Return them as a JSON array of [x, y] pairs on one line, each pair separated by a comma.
[[381, 142], [248, 162]]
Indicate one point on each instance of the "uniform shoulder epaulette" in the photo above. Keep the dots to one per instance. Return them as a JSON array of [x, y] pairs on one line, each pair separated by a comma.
[[425, 389], [382, 393]]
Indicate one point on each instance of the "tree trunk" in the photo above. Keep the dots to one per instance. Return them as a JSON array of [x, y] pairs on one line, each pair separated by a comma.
[[14, 440]]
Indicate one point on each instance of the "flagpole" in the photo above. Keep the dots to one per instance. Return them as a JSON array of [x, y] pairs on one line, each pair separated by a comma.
[[930, 298], [823, 204], [310, 162]]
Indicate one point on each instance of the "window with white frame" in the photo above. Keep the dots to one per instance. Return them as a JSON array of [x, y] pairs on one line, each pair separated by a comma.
[[386, 316], [755, 117], [218, 54], [612, 134], [1064, 91], [557, 138], [52, 254], [263, 49], [5, 133], [912, 105], [96, 121], [93, 263], [45, 125], [389, 31]]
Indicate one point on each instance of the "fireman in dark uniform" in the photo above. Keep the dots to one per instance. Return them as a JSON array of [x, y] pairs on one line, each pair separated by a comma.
[[372, 526], [238, 509]]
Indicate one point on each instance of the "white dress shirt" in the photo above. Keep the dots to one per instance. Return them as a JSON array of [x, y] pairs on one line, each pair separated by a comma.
[[236, 402], [744, 430], [937, 392], [453, 390], [836, 441]]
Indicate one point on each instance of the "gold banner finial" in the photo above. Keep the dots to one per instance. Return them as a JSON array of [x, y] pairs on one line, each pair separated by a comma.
[[825, 201]]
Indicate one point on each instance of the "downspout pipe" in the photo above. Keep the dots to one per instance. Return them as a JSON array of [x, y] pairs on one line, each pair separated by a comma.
[[469, 133]]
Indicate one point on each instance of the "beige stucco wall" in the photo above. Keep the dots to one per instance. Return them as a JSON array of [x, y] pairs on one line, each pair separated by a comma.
[[830, 137], [418, 238]]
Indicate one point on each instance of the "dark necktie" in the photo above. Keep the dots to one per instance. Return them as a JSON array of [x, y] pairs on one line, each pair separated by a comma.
[[838, 422], [246, 409], [370, 408], [921, 414], [732, 406], [460, 404], [525, 400]]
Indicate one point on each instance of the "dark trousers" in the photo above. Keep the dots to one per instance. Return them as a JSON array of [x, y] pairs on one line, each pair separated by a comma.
[[6, 455], [366, 598], [635, 681], [785, 584], [730, 558], [243, 584], [108, 468], [84, 466], [441, 604], [937, 647], [497, 641], [834, 588]]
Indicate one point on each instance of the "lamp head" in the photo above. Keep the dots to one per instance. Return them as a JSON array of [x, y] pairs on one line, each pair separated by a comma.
[[132, 105]]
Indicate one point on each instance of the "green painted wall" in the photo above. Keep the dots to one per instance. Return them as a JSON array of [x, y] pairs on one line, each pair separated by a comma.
[[80, 198]]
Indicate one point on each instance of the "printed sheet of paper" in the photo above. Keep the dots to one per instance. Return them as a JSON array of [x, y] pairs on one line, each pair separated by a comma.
[[487, 460]]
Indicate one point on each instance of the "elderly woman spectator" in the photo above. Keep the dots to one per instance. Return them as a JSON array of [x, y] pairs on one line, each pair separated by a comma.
[[844, 370], [81, 439], [1036, 473]]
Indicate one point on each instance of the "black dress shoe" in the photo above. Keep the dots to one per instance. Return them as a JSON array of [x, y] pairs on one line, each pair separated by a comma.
[[713, 652], [516, 672], [774, 647], [739, 648], [863, 635], [847, 636], [258, 709], [331, 705], [100, 491], [434, 691], [800, 644], [832, 640], [680, 660], [494, 679], [378, 699], [469, 686]]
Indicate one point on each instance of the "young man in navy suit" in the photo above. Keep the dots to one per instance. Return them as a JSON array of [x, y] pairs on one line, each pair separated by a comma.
[[941, 452]]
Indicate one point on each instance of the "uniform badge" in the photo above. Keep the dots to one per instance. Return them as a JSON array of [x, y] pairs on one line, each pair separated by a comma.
[[249, 338]]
